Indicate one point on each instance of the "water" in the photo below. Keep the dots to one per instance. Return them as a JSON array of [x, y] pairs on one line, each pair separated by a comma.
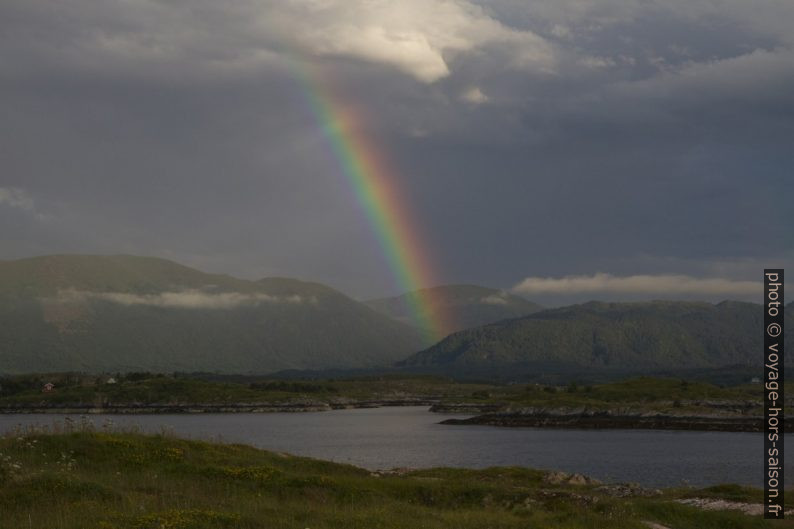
[[383, 438]]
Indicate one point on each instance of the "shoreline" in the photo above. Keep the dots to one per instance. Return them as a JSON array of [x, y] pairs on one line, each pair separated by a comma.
[[254, 407], [607, 420], [483, 415], [173, 482]]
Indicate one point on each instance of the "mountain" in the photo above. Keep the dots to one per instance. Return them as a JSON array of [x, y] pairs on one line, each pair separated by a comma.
[[109, 313], [637, 337], [462, 306]]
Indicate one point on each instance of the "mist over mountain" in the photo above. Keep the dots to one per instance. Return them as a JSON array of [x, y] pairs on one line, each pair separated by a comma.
[[108, 313], [595, 336], [462, 306]]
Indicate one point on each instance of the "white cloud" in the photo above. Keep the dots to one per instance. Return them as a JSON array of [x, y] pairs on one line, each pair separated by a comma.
[[422, 38], [495, 299], [596, 62], [417, 37], [16, 198], [414, 36], [186, 299], [679, 285], [474, 95]]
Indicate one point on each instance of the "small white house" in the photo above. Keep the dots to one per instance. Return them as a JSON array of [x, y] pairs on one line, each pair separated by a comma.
[[111, 380]]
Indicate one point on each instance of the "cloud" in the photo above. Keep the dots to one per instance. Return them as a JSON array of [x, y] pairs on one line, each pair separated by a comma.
[[19, 199], [186, 299], [495, 299], [677, 285], [760, 74], [16, 198], [417, 37], [474, 95], [567, 17], [414, 36], [177, 129]]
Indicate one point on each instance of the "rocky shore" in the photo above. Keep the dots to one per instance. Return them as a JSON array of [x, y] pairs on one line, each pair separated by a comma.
[[244, 407], [618, 419], [466, 408]]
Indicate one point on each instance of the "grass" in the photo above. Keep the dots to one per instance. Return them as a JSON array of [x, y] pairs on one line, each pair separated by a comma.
[[149, 388], [640, 393], [115, 480]]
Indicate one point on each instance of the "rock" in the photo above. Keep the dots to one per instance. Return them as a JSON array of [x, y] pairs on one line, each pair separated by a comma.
[[558, 478], [619, 418], [391, 472], [711, 504], [579, 479], [555, 478], [624, 490], [654, 525]]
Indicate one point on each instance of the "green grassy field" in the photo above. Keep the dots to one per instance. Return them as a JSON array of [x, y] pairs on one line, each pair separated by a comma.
[[96, 479]]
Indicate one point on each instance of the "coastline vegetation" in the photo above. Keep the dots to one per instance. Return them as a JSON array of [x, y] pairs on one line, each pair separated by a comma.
[[639, 393], [84, 478], [669, 395], [147, 388]]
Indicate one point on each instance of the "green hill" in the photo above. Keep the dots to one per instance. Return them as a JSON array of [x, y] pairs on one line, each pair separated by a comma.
[[636, 337], [108, 313], [463, 306]]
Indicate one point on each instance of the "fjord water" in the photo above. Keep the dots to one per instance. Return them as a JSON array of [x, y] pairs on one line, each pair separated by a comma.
[[384, 438]]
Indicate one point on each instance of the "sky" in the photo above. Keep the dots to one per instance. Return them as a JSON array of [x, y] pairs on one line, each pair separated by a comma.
[[564, 150]]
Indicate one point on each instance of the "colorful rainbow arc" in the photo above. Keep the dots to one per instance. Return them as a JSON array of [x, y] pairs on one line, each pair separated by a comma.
[[376, 189]]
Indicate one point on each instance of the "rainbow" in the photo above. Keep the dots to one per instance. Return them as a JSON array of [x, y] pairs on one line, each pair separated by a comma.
[[375, 186]]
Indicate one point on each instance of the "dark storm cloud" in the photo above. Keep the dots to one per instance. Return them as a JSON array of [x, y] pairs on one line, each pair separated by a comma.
[[544, 140]]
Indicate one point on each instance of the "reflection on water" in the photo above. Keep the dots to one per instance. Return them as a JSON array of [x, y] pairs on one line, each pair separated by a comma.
[[382, 438]]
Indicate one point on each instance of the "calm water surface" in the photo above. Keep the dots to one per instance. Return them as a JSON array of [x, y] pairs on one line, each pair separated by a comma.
[[383, 438]]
